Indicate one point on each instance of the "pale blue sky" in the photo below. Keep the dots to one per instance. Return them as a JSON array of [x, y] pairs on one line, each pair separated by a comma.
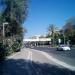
[[45, 12]]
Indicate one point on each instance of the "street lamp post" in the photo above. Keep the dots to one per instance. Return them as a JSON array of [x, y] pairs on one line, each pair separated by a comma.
[[64, 39], [5, 23]]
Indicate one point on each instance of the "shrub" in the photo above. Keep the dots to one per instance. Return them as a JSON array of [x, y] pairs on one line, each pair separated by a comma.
[[2, 51], [16, 46]]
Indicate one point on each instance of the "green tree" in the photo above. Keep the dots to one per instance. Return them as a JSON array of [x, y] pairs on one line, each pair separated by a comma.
[[14, 12], [53, 32], [15, 9], [69, 30]]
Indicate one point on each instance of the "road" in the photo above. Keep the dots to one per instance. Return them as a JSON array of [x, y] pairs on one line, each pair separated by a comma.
[[65, 56], [33, 62]]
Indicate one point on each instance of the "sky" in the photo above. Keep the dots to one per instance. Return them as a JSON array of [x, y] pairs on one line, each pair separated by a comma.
[[41, 13]]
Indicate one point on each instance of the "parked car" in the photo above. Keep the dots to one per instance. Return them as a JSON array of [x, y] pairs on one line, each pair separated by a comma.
[[63, 48]]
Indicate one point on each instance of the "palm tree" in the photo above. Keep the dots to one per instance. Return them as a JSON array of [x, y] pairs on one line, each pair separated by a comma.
[[52, 29]]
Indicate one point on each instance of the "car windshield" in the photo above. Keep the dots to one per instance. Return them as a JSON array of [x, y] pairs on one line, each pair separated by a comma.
[[63, 46]]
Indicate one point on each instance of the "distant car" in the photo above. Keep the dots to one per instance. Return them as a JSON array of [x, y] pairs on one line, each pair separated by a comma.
[[63, 48]]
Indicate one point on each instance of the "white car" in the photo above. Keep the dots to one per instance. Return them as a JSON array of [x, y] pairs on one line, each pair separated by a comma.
[[63, 47]]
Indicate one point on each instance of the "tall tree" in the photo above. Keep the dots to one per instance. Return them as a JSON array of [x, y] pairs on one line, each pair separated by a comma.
[[69, 30], [52, 29], [15, 9], [15, 12]]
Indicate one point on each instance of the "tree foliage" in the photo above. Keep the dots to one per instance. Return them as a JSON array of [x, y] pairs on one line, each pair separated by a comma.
[[14, 12], [53, 32], [69, 30], [15, 9]]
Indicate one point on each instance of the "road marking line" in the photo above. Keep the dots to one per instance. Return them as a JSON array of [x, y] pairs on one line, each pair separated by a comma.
[[56, 60], [59, 62], [29, 55], [48, 56]]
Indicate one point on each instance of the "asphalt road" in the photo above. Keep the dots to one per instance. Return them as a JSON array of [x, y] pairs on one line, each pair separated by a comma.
[[65, 56], [32, 62]]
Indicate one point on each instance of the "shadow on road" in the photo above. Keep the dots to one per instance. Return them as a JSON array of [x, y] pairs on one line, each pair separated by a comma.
[[25, 67]]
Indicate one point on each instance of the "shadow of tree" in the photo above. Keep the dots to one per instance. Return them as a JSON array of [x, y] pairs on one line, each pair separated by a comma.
[[26, 67]]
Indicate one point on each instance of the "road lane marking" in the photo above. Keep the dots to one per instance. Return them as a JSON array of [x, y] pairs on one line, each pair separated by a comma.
[[59, 62], [48, 56], [56, 60], [29, 55]]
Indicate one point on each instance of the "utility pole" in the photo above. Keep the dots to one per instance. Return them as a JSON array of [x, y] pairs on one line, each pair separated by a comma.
[[64, 39], [5, 23]]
